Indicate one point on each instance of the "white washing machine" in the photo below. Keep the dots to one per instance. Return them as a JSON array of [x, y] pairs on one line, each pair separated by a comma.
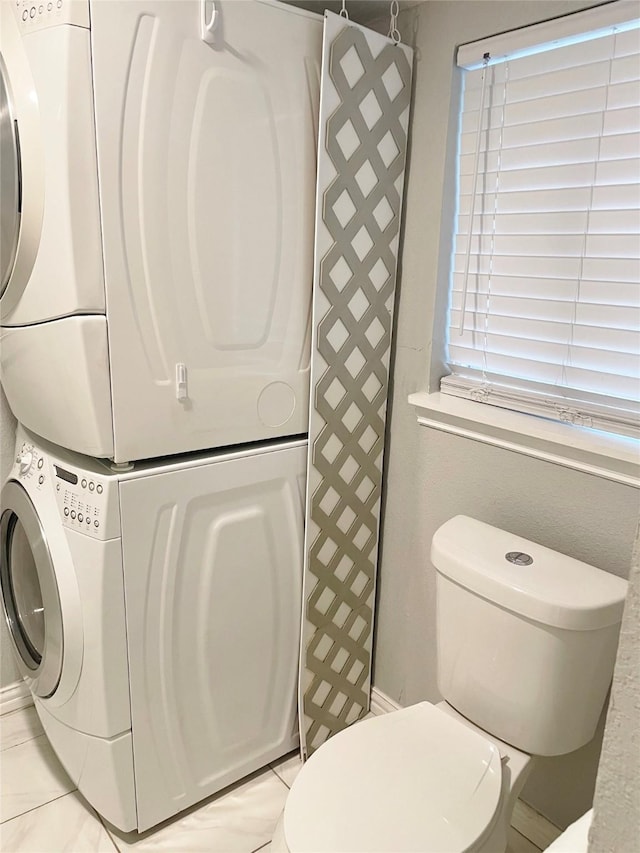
[[158, 191], [155, 616]]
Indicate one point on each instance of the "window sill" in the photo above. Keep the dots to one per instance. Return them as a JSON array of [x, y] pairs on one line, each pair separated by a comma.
[[603, 455]]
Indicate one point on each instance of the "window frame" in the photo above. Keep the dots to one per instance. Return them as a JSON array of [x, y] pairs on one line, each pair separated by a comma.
[[603, 454]]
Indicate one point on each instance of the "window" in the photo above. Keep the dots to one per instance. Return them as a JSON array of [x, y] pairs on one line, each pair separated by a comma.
[[545, 299]]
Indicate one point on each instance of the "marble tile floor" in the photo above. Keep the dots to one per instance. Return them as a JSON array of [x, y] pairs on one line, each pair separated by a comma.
[[42, 812]]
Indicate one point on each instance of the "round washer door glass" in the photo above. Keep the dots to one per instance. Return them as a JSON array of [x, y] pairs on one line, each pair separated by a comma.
[[25, 591], [29, 591]]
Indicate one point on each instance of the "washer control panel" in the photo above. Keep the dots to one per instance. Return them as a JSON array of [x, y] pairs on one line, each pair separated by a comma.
[[81, 500], [85, 501], [33, 15]]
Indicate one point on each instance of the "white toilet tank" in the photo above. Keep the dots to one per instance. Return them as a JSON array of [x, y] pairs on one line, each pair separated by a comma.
[[527, 637]]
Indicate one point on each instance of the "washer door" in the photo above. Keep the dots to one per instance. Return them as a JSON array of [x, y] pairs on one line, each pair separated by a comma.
[[30, 592]]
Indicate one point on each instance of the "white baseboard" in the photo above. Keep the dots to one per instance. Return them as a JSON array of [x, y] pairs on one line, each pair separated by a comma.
[[381, 703], [14, 696]]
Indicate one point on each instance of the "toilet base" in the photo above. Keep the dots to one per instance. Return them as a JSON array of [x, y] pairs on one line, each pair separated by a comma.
[[516, 766], [497, 838]]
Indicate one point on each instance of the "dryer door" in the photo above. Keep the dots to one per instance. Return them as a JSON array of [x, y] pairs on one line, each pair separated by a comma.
[[10, 180], [30, 592], [56, 267]]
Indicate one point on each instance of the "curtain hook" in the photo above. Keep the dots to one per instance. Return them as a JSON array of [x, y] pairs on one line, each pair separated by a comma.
[[394, 32], [343, 11]]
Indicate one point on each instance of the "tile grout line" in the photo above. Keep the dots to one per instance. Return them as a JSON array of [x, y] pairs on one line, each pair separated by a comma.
[[20, 742], [35, 808], [273, 770], [112, 840]]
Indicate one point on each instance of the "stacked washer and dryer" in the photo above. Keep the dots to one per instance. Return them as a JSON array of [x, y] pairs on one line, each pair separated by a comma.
[[158, 179]]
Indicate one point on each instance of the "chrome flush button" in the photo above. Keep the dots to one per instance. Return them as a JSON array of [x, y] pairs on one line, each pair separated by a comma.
[[519, 558]]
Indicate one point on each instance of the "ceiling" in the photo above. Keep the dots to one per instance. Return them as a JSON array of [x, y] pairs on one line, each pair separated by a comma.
[[360, 11]]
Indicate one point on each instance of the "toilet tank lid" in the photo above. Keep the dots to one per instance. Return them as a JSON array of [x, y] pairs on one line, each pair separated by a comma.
[[553, 589]]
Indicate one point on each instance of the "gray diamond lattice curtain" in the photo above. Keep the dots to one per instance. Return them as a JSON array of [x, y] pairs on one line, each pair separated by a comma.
[[364, 115]]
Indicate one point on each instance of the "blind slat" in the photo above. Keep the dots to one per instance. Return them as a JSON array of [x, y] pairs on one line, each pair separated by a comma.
[[598, 401], [584, 129], [614, 247], [623, 387], [601, 292], [561, 245], [613, 197], [579, 408], [559, 83], [553, 177], [615, 223], [534, 364], [585, 126], [626, 270], [557, 310], [624, 146], [522, 331]]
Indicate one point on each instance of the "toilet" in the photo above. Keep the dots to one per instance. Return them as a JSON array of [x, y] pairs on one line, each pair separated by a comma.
[[527, 639]]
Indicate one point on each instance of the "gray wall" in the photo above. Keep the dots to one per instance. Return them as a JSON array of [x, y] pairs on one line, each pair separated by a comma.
[[8, 671], [431, 475], [616, 812]]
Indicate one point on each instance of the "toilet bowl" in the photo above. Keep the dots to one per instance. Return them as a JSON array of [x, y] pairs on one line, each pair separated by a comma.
[[419, 779], [527, 640]]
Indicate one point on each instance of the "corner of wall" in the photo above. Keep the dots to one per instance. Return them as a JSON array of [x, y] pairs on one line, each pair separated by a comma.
[[616, 807]]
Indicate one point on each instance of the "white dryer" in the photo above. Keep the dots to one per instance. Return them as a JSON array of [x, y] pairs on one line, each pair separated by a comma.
[[158, 190], [155, 616]]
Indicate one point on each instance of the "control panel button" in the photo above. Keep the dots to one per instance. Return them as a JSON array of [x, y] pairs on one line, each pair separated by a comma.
[[92, 486], [88, 520], [96, 523], [99, 489], [25, 461], [66, 510], [84, 483], [41, 479], [32, 12], [73, 513], [25, 15], [80, 517], [40, 462]]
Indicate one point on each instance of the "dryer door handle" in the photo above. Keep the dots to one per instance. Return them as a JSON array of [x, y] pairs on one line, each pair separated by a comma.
[[207, 28]]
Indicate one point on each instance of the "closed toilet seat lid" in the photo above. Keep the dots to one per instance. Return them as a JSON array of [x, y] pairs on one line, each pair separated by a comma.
[[413, 780]]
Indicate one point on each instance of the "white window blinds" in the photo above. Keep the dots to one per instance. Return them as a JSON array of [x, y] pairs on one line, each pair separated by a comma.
[[545, 302]]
